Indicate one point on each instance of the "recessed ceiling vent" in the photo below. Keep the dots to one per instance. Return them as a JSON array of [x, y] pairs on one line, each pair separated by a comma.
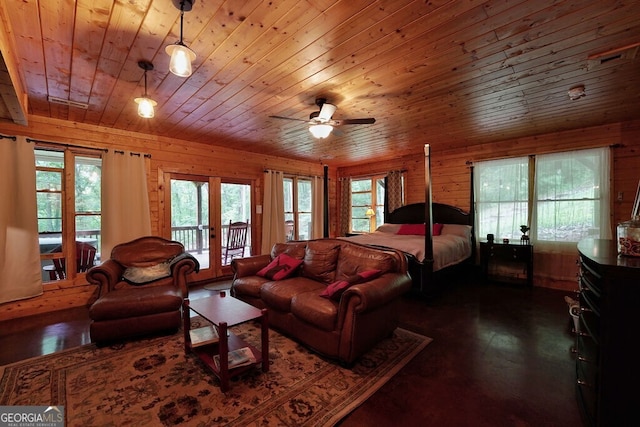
[[626, 53], [67, 102]]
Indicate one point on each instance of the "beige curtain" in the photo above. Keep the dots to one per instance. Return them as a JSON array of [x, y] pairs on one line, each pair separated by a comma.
[[317, 207], [125, 200], [345, 206], [20, 268], [272, 211], [394, 190]]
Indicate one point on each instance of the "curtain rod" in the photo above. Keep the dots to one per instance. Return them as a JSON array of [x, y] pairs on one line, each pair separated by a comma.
[[293, 174], [148, 156], [64, 144]]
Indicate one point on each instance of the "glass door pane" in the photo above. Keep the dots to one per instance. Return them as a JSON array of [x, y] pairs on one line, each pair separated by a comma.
[[235, 206], [190, 218]]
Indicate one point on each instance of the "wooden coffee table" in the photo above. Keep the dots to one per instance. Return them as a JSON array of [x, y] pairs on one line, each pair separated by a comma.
[[224, 311]]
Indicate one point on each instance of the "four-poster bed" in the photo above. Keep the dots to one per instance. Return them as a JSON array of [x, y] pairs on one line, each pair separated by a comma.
[[430, 250]]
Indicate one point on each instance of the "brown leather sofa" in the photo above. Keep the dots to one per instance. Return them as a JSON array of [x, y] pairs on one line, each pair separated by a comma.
[[141, 289], [345, 327]]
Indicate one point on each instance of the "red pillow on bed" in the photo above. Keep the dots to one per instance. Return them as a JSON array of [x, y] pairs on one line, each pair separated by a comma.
[[335, 289], [419, 229]]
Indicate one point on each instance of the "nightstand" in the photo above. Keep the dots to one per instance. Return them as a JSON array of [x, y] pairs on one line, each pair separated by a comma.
[[506, 253]]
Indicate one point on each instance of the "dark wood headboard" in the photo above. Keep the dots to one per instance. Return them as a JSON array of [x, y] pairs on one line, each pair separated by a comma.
[[441, 213]]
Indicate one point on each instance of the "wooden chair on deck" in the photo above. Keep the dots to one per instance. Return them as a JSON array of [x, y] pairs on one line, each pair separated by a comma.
[[236, 240], [85, 257]]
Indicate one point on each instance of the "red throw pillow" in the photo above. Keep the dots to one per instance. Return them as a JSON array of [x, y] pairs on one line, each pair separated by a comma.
[[411, 229], [336, 289], [281, 267], [419, 229]]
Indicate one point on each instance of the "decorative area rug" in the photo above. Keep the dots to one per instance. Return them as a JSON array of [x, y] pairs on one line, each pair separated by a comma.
[[152, 382]]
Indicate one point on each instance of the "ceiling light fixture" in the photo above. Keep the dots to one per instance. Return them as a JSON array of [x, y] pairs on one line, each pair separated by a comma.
[[145, 104], [320, 131], [576, 92], [181, 55]]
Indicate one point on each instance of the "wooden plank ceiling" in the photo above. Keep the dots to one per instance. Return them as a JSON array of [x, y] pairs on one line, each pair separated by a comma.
[[450, 73]]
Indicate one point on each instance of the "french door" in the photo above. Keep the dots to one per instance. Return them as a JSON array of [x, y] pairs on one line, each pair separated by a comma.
[[200, 210]]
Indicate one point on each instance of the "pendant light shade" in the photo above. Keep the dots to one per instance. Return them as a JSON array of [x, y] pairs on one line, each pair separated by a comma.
[[320, 131], [145, 107], [145, 104], [181, 55]]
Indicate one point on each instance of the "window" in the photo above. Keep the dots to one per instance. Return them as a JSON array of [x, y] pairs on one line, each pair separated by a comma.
[[367, 204], [567, 201], [64, 220], [297, 208]]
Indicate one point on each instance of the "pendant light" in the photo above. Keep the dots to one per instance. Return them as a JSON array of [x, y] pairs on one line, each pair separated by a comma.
[[145, 104], [181, 55]]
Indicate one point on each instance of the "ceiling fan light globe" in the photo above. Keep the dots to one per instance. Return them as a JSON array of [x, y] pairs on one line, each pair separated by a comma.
[[181, 58], [320, 131], [145, 107]]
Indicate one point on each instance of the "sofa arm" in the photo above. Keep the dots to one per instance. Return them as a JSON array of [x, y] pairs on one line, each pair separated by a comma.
[[376, 292], [181, 266], [249, 266], [105, 275]]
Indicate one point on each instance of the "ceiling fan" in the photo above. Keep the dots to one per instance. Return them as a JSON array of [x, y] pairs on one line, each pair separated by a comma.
[[320, 122]]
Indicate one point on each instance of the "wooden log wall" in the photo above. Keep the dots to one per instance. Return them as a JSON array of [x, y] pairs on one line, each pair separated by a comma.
[[167, 155], [451, 176]]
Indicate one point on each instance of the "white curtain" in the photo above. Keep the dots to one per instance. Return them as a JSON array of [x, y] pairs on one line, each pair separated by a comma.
[[20, 268], [272, 210], [125, 200], [588, 171], [317, 207]]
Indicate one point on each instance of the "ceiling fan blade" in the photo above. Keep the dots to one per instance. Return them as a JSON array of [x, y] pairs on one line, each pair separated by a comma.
[[327, 111], [337, 132], [287, 118], [367, 121]]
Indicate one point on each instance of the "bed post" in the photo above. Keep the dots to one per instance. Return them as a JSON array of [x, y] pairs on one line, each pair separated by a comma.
[[427, 267], [472, 214]]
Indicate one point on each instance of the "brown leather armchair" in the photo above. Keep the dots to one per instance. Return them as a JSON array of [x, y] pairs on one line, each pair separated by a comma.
[[140, 289]]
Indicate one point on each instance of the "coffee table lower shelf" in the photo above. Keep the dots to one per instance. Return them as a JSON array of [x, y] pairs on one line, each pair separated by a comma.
[[206, 352], [221, 311]]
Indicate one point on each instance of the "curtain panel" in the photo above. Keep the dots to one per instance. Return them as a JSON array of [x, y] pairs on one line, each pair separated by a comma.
[[20, 268], [345, 206], [125, 199], [317, 207], [394, 190], [272, 210]]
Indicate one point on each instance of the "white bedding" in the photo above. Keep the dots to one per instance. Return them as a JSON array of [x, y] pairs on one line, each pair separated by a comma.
[[451, 247]]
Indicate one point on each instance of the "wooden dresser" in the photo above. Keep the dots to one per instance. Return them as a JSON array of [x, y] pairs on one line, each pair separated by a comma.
[[607, 377]]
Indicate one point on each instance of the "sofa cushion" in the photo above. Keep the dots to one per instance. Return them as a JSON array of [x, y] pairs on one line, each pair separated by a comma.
[[278, 294], [355, 258], [320, 312], [136, 302], [337, 288], [293, 249], [281, 267], [249, 285], [320, 260]]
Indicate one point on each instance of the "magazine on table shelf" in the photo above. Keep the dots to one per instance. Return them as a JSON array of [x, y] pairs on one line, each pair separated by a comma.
[[204, 335], [241, 357]]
